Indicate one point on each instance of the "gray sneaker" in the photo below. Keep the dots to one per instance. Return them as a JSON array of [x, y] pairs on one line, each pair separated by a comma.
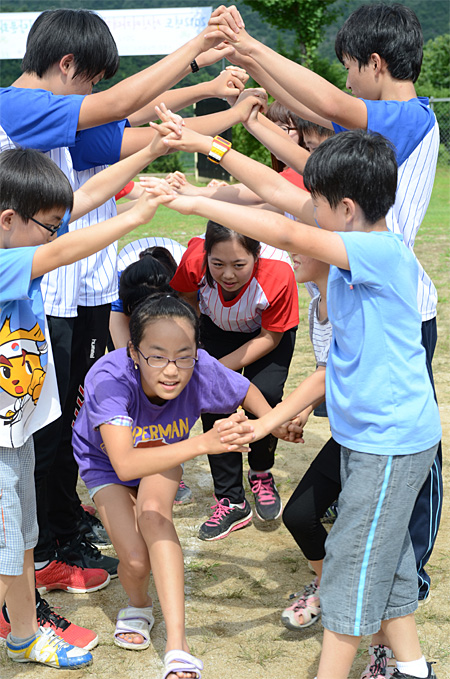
[[184, 494], [96, 534]]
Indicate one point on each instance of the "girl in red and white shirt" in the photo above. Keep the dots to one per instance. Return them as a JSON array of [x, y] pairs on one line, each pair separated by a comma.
[[248, 303]]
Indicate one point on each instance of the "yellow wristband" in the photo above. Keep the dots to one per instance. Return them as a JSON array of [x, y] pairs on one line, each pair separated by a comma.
[[219, 147]]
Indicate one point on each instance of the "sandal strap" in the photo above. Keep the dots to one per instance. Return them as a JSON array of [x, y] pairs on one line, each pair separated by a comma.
[[181, 661], [134, 613]]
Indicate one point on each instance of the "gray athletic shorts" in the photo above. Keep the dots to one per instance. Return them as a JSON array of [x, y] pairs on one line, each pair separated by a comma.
[[18, 522], [369, 570]]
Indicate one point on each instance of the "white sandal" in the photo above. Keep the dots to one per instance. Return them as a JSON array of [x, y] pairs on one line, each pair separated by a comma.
[[180, 661], [132, 620]]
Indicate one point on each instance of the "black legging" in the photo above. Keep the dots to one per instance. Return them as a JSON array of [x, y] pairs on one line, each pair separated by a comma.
[[269, 374], [319, 487]]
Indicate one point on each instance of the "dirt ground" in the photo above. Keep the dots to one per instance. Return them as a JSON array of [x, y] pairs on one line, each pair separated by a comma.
[[237, 587]]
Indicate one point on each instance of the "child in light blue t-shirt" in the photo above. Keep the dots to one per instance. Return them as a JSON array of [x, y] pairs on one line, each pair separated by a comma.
[[380, 398]]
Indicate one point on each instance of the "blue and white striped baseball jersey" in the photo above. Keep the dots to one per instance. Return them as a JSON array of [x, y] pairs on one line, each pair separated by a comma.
[[412, 128]]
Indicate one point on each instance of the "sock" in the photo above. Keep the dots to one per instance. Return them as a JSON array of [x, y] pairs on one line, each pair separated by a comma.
[[240, 505], [252, 472], [20, 641], [416, 668], [41, 564]]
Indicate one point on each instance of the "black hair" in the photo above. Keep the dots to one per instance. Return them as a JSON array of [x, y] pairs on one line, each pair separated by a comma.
[[355, 164], [163, 256], [216, 233], [311, 128], [157, 306], [392, 31], [140, 279], [30, 182], [278, 113], [80, 32]]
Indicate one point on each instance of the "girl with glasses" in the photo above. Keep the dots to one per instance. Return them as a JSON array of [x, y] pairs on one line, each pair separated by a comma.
[[149, 395]]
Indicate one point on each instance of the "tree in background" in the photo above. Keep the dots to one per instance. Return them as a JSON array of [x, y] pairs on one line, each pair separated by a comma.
[[306, 18], [434, 81]]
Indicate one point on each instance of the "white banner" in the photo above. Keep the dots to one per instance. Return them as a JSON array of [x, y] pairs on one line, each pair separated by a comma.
[[136, 31]]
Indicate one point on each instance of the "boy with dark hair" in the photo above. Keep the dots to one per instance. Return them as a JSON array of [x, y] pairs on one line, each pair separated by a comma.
[[380, 401], [381, 48], [36, 201]]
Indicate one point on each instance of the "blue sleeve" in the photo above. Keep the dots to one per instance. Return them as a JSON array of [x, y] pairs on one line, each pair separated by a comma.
[[373, 257], [98, 145], [15, 279], [117, 305], [404, 123], [46, 121]]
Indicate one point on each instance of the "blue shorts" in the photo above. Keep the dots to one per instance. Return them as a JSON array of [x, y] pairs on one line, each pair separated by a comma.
[[369, 570], [18, 521]]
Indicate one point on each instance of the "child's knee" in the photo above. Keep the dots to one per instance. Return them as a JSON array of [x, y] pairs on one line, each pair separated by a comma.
[[135, 563], [154, 517]]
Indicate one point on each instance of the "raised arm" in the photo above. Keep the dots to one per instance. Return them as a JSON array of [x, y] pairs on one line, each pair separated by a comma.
[[227, 84], [264, 181], [277, 141], [138, 90], [268, 227], [273, 87], [305, 86], [135, 139], [110, 181], [76, 245]]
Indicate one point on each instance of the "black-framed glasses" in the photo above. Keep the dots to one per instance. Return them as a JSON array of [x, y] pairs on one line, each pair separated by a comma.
[[52, 229], [184, 362]]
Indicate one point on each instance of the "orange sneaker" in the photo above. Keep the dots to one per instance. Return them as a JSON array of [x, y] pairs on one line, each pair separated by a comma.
[[46, 617], [59, 574]]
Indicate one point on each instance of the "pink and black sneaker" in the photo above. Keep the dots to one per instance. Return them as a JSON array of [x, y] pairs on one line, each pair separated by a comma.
[[224, 520], [267, 500]]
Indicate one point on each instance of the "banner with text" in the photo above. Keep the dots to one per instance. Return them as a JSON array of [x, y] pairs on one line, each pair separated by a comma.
[[136, 31]]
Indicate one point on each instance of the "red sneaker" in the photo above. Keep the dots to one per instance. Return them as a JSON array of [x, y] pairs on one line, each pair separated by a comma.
[[59, 574], [89, 509], [46, 617]]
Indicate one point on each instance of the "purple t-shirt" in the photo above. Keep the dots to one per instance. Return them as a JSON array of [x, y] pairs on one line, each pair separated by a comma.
[[113, 389]]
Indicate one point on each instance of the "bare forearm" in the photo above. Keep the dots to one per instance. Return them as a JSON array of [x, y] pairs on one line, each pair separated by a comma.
[[139, 462], [104, 185], [119, 327], [174, 99], [280, 145], [255, 402], [264, 181], [261, 76], [215, 123], [308, 392], [310, 89], [250, 352], [135, 92]]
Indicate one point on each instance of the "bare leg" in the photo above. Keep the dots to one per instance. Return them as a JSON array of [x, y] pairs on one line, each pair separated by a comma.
[[21, 599], [338, 653], [154, 510], [403, 639], [317, 567], [117, 508]]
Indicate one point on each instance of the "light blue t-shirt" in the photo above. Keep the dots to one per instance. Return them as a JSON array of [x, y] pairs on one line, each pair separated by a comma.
[[28, 392], [379, 395]]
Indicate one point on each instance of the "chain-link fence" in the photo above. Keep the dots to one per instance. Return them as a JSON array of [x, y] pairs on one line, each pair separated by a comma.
[[441, 108]]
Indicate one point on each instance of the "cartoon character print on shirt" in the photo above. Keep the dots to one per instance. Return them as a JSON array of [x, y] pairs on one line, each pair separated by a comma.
[[23, 361]]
